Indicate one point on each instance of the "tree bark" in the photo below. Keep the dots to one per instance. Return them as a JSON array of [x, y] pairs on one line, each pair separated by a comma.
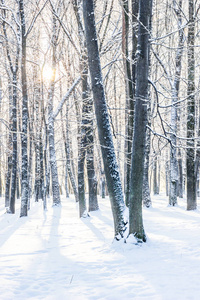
[[92, 181], [140, 121], [68, 156], [14, 147], [9, 151], [146, 188], [180, 173], [24, 138], [129, 88], [104, 129], [51, 134], [155, 175], [190, 151], [12, 159], [173, 190]]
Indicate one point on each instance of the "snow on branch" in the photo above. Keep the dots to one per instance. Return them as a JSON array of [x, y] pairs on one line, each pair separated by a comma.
[[35, 18], [66, 96]]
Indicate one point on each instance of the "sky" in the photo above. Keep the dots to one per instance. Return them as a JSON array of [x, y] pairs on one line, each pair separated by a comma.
[[54, 254]]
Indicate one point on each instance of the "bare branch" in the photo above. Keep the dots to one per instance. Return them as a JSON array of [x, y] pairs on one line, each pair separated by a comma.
[[66, 96]]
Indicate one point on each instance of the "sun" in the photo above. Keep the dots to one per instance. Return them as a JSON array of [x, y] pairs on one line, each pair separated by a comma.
[[48, 73]]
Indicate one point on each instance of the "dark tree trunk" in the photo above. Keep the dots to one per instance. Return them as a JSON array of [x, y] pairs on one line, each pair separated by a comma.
[[190, 151], [24, 138], [104, 130], [130, 87], [47, 175], [9, 155], [37, 142], [68, 156], [8, 172], [1, 190], [51, 134], [103, 185], [87, 144], [83, 140], [155, 175], [173, 190], [92, 181], [180, 172], [37, 173], [81, 182], [41, 190], [30, 177], [14, 147], [146, 188], [66, 181], [12, 159], [102, 175], [140, 121], [46, 164], [18, 190], [92, 185], [87, 141], [167, 177]]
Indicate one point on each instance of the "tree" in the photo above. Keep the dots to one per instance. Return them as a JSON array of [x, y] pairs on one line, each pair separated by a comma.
[[13, 60], [25, 117], [25, 113], [130, 85], [102, 117], [51, 117], [86, 146], [140, 121], [173, 189], [190, 152]]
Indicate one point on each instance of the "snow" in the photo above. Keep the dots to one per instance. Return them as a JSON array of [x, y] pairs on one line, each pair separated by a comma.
[[55, 255]]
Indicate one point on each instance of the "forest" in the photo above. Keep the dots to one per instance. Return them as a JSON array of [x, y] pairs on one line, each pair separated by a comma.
[[100, 98], [99, 149]]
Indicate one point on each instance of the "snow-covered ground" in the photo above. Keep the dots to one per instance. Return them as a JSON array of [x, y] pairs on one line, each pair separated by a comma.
[[55, 255]]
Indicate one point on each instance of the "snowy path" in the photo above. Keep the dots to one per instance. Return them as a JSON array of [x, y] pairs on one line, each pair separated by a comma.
[[55, 255]]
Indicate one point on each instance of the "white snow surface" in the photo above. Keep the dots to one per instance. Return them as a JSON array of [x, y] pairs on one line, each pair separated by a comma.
[[55, 255]]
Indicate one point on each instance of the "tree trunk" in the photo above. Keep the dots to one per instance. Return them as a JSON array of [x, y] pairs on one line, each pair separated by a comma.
[[190, 151], [1, 187], [180, 173], [130, 89], [101, 174], [167, 175], [83, 140], [87, 140], [104, 130], [173, 190], [68, 156], [30, 176], [12, 158], [14, 147], [9, 151], [81, 182], [92, 181], [146, 188], [66, 181], [140, 121], [24, 138], [155, 175], [51, 134]]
